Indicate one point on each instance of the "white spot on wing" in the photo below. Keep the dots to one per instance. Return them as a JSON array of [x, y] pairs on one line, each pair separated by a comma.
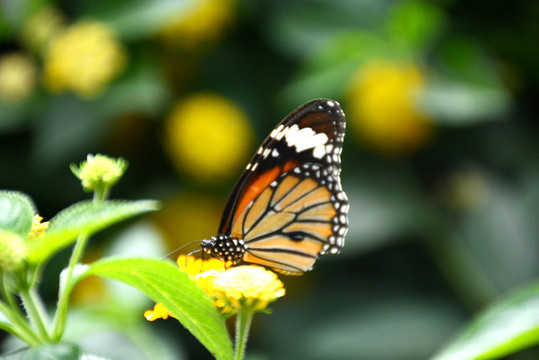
[[292, 138], [319, 151], [311, 141], [276, 131], [275, 153]]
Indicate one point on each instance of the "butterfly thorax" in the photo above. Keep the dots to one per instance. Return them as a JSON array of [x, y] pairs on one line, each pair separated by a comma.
[[224, 247]]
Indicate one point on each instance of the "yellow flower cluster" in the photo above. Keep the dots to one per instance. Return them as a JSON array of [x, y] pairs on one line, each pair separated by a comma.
[[245, 286], [208, 136], [41, 28], [38, 228], [99, 170], [13, 250], [383, 106], [232, 289], [202, 23], [17, 77], [84, 58]]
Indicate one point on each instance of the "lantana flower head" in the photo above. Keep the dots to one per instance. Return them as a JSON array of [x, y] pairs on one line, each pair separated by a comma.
[[231, 289], [99, 171]]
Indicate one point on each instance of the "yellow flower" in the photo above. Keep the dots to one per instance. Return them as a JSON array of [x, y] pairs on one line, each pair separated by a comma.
[[84, 58], [231, 289], [208, 136], [38, 31], [99, 171], [246, 286], [17, 77], [38, 228], [382, 102], [13, 250], [159, 312], [202, 23]]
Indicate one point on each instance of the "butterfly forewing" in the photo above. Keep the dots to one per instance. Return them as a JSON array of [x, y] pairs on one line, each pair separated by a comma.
[[288, 206]]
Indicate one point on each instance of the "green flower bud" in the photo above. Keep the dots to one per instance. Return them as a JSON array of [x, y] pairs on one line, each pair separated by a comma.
[[13, 251], [99, 171]]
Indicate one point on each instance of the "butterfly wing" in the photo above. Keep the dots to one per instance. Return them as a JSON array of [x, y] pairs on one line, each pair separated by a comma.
[[288, 206]]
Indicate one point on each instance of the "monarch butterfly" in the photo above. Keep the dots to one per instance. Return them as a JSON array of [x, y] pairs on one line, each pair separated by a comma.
[[288, 207]]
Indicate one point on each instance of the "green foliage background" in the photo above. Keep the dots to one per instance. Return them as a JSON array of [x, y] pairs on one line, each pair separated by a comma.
[[419, 261]]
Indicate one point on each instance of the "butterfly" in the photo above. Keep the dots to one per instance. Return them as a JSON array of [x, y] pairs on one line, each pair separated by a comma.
[[288, 207]]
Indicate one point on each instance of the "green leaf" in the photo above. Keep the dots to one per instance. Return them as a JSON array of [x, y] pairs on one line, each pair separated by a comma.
[[84, 217], [415, 23], [16, 212], [505, 328], [164, 283], [57, 352], [133, 20], [456, 103]]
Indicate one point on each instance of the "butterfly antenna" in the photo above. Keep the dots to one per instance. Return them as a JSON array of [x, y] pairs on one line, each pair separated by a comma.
[[190, 254], [180, 248]]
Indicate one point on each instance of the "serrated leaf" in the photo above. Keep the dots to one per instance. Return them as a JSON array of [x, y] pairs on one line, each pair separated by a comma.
[[16, 212], [505, 328], [164, 283], [47, 352], [84, 217]]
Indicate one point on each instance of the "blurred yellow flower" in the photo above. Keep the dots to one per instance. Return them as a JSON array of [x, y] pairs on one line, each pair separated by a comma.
[[208, 136], [84, 58], [196, 214], [202, 23], [383, 106], [13, 251], [231, 289], [38, 228], [17, 77], [38, 31]]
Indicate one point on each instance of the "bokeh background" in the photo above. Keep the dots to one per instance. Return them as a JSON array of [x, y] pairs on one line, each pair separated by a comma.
[[440, 159]]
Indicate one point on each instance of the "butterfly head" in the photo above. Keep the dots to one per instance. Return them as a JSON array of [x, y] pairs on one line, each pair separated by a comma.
[[224, 247]]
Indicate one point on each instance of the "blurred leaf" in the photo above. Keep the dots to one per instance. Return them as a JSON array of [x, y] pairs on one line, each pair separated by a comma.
[[465, 61], [391, 326], [84, 217], [298, 27], [134, 20], [327, 72], [504, 328], [13, 116], [113, 333], [69, 125], [415, 24], [501, 236], [457, 104], [47, 352], [387, 204], [16, 212], [164, 283]]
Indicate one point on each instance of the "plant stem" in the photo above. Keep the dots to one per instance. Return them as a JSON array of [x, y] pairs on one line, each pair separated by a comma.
[[18, 327], [35, 314], [243, 324], [65, 289]]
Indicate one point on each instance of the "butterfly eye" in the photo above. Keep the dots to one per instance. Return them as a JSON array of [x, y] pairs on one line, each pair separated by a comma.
[[296, 235]]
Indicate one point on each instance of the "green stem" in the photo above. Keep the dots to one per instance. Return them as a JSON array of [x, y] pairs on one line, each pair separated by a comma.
[[58, 326], [18, 327], [243, 324], [35, 314]]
